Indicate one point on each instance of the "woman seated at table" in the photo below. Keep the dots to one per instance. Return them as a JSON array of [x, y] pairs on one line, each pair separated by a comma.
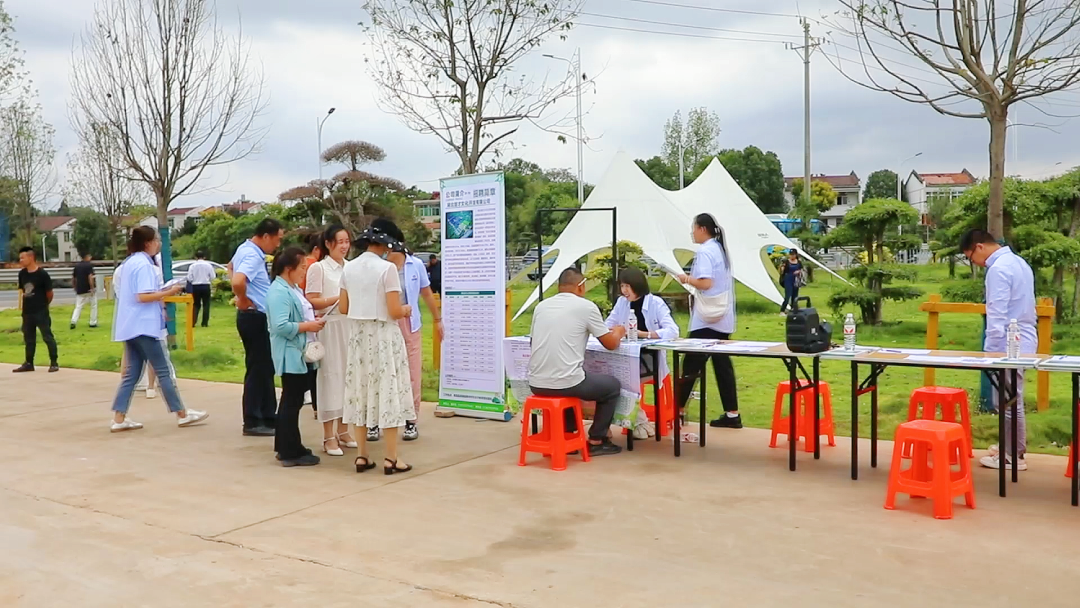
[[653, 322], [653, 315]]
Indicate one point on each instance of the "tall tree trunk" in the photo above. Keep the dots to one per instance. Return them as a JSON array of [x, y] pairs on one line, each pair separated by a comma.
[[1076, 292], [1059, 293], [995, 212]]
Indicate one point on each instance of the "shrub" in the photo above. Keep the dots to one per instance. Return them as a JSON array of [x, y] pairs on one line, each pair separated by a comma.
[[963, 291]]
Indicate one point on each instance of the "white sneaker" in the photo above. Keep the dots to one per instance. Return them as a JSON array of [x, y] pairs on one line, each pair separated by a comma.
[[993, 450], [151, 393], [641, 432], [373, 433], [993, 462], [126, 425], [411, 433], [193, 417]]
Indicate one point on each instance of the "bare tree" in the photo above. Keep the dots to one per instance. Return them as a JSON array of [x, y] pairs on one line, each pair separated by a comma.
[[449, 68], [180, 96], [98, 178], [26, 141], [975, 59]]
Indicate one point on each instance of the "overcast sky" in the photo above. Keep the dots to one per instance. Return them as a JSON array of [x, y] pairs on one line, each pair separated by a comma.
[[312, 55]]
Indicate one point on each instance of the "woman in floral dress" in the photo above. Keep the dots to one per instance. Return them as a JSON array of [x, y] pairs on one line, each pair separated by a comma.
[[378, 391]]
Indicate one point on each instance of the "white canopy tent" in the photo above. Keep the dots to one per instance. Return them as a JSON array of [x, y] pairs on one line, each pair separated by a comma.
[[659, 221]]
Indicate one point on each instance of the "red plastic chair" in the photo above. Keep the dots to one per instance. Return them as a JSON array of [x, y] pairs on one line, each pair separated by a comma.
[[667, 405], [926, 402], [933, 443], [804, 412], [553, 440]]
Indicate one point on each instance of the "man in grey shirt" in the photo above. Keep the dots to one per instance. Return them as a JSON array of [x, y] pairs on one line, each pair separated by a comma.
[[561, 326]]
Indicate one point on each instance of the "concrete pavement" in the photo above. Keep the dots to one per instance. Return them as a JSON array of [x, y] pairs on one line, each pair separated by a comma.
[[204, 517]]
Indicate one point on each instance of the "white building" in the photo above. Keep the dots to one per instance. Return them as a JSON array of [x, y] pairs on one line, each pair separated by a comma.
[[848, 190], [921, 188], [63, 227], [179, 215]]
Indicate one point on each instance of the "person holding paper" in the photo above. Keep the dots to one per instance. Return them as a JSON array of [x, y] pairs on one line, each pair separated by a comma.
[[378, 392], [561, 326], [1010, 294], [324, 291], [713, 317], [140, 320]]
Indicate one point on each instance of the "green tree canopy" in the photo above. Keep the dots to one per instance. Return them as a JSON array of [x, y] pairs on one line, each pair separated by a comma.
[[880, 184], [663, 173], [91, 233], [758, 173]]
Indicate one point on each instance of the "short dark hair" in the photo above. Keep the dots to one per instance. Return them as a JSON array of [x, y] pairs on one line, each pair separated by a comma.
[[287, 260], [432, 257], [975, 236], [200, 255], [635, 280], [570, 277], [141, 236], [28, 249], [388, 226], [268, 226]]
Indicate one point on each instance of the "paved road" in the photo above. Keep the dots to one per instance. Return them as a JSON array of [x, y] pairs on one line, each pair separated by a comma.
[[10, 298]]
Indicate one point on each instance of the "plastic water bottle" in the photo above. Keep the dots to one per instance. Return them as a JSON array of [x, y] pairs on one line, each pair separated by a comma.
[[631, 328], [1012, 336], [849, 332]]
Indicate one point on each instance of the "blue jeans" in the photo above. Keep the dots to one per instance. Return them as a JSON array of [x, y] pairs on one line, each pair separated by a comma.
[[791, 294], [142, 350]]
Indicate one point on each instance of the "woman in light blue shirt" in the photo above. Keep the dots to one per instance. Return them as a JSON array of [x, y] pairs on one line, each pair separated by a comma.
[[140, 319], [711, 276], [289, 327]]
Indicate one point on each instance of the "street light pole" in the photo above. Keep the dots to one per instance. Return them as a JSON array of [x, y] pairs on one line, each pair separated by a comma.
[[575, 65], [320, 126], [898, 170]]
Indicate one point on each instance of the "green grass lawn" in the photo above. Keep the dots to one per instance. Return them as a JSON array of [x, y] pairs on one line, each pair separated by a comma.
[[219, 356]]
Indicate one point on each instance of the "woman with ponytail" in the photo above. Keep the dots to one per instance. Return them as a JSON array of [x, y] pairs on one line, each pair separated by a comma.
[[713, 317]]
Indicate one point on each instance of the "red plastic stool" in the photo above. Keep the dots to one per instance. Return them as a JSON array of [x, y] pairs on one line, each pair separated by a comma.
[[1068, 466], [804, 413], [926, 401], [939, 441], [553, 440], [667, 405]]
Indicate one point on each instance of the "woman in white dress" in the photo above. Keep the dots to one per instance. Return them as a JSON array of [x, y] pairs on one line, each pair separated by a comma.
[[323, 288], [378, 391]]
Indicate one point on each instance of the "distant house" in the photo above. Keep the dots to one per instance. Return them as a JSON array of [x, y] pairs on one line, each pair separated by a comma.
[[179, 215], [921, 188], [429, 212], [240, 207], [63, 227], [848, 190]]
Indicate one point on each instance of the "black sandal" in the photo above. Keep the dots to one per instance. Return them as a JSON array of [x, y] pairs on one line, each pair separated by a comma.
[[367, 466], [390, 470]]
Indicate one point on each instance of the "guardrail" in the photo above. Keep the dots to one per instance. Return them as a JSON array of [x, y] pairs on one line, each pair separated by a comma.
[[59, 274]]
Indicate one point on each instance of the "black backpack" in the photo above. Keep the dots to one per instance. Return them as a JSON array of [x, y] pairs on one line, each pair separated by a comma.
[[806, 333]]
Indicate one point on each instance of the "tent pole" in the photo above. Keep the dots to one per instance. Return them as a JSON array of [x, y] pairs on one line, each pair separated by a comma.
[[539, 254], [613, 289]]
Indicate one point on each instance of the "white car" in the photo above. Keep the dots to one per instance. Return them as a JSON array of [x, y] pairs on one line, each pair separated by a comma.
[[180, 267]]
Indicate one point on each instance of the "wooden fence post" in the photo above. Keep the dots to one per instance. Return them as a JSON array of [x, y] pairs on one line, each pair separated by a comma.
[[1046, 319]]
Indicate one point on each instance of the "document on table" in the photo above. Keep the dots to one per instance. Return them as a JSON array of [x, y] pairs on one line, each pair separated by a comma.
[[904, 351], [750, 343], [1064, 360]]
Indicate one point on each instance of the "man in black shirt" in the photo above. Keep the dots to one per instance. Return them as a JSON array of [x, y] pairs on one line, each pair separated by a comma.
[[85, 290], [434, 271], [37, 293]]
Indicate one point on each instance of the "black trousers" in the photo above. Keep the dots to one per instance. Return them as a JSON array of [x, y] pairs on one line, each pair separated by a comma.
[[32, 322], [287, 442], [201, 293], [260, 399], [602, 389], [694, 367]]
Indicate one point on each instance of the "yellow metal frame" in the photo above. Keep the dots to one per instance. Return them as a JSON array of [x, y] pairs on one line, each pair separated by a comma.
[[1044, 310]]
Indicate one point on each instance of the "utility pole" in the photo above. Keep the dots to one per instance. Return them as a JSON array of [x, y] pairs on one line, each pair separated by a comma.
[[805, 51], [580, 136]]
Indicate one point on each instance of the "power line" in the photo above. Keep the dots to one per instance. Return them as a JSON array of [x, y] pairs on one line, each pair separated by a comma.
[[695, 27], [679, 34], [717, 10]]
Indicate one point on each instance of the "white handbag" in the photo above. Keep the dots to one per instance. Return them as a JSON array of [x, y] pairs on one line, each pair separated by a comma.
[[711, 308], [314, 351]]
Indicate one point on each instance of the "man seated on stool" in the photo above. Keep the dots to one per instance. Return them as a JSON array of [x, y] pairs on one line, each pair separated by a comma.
[[561, 326]]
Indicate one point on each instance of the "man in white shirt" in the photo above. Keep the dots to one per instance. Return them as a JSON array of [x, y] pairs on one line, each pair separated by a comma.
[[1010, 294], [201, 275], [561, 326]]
